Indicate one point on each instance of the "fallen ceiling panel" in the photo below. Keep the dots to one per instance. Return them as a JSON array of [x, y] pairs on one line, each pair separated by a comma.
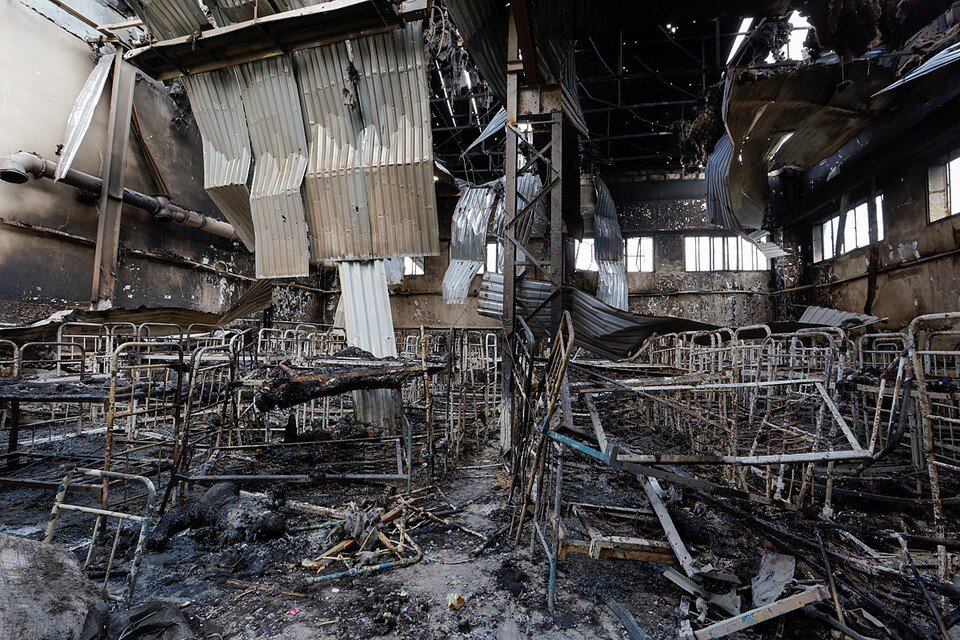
[[275, 121], [267, 36], [218, 110], [457, 279], [598, 327], [794, 117], [825, 316], [369, 181]]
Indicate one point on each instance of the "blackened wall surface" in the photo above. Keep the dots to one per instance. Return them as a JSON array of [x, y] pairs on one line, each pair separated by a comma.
[[917, 264], [47, 234], [669, 208]]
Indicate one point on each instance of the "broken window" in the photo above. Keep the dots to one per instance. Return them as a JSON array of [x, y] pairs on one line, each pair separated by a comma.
[[586, 257], [856, 223], [413, 266], [943, 184], [723, 253], [638, 253], [494, 259]]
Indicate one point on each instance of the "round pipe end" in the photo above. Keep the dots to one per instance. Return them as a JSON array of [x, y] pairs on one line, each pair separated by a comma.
[[13, 171]]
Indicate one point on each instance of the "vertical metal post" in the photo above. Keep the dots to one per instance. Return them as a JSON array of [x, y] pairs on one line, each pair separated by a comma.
[[557, 197], [111, 196], [507, 417], [13, 420]]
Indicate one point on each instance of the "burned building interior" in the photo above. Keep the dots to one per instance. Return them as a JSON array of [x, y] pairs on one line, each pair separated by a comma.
[[479, 319]]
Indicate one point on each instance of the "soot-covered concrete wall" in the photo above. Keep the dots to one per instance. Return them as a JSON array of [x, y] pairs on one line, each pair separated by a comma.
[[669, 208], [916, 266], [47, 234]]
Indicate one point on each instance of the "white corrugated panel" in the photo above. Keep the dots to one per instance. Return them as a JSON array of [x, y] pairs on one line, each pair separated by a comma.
[[394, 270], [369, 181], [457, 279], [468, 228], [275, 121], [613, 284], [836, 318], [218, 109], [171, 18], [365, 302], [82, 114]]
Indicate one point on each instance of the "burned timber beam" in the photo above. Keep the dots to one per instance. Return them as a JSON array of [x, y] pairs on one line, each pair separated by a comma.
[[336, 376], [18, 168]]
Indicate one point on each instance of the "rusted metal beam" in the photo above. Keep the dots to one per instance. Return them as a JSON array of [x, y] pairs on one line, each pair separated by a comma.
[[528, 48], [111, 195]]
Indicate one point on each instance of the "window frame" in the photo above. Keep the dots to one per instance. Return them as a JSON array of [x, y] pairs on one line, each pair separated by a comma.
[[723, 253], [638, 259], [842, 221], [949, 170], [592, 266], [413, 266]]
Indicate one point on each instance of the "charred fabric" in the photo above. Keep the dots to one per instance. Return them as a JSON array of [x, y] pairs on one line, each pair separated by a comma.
[[541, 318]]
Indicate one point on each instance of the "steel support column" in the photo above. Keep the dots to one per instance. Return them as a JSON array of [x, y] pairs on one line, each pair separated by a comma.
[[537, 132], [111, 196]]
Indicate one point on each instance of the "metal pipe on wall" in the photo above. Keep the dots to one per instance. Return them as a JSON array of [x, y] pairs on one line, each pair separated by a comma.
[[18, 168]]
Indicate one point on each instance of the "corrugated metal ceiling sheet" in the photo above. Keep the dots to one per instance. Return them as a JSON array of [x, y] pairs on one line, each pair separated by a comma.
[[457, 279], [835, 318], [941, 60], [368, 320], [719, 203], [793, 116], [598, 327], [171, 18], [369, 181], [613, 284], [275, 122], [366, 307], [234, 11], [218, 109], [483, 26], [607, 239], [468, 228]]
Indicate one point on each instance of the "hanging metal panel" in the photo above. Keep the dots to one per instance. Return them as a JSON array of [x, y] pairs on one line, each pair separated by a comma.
[[368, 320], [218, 109], [468, 228], [719, 202], [369, 181], [613, 284], [82, 114], [607, 239], [457, 279], [275, 121]]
